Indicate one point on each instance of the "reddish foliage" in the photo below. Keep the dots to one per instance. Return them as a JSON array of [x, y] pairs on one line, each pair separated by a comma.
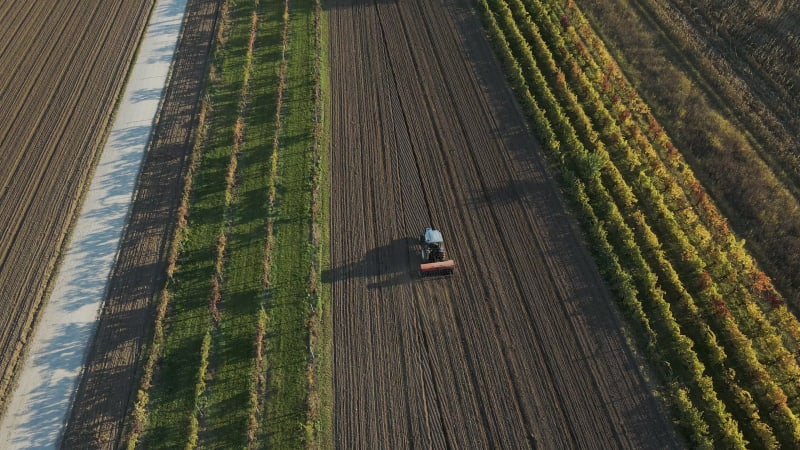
[[653, 124], [583, 52], [697, 190], [605, 84], [721, 225], [774, 300], [720, 307], [672, 152], [564, 21], [561, 79], [762, 282]]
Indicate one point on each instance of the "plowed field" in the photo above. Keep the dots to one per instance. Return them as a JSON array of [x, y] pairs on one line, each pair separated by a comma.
[[64, 64], [522, 347]]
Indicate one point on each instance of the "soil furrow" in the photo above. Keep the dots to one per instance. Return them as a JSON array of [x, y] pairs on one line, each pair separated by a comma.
[[521, 346], [71, 60]]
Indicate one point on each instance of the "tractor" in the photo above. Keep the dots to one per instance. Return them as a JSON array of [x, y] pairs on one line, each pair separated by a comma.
[[434, 258]]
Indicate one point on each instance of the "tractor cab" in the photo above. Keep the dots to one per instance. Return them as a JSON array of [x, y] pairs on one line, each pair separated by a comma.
[[434, 258], [432, 245]]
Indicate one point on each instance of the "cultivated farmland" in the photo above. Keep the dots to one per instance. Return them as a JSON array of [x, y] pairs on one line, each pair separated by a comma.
[[63, 67], [521, 347], [266, 291], [232, 360]]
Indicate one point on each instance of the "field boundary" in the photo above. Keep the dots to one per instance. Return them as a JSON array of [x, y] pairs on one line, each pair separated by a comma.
[[9, 380], [75, 295]]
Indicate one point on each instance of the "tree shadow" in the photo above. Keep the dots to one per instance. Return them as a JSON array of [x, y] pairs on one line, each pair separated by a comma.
[[170, 14], [146, 94], [521, 192], [57, 360]]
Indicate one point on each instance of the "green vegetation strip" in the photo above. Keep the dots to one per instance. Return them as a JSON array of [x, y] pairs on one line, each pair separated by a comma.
[[318, 419], [708, 261], [238, 358], [173, 406], [749, 298], [290, 259], [662, 244]]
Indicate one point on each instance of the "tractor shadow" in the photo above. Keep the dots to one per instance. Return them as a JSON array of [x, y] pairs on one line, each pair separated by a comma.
[[385, 266]]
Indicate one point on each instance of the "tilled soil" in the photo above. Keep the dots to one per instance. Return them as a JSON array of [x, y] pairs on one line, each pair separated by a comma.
[[107, 387], [522, 346], [64, 64]]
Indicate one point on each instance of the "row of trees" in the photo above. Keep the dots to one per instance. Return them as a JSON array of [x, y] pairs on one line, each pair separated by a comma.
[[642, 207], [749, 295], [694, 421], [725, 113]]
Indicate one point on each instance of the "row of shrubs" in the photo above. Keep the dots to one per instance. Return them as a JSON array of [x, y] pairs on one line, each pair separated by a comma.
[[622, 188], [691, 419], [713, 262], [316, 434], [736, 271], [750, 299]]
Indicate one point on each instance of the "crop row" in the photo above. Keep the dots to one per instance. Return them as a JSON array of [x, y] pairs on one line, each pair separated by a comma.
[[716, 109], [749, 296], [680, 187], [229, 361], [318, 417], [660, 255], [175, 412], [639, 306], [741, 285]]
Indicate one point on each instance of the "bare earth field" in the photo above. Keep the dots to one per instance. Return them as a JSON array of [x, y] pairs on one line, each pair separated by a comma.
[[64, 64], [108, 385], [522, 347]]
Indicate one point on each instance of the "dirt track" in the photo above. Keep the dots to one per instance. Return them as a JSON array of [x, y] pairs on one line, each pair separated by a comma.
[[521, 347], [64, 64], [108, 385]]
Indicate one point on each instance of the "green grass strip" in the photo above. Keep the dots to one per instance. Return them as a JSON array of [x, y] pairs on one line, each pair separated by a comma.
[[236, 372], [172, 397], [229, 400], [290, 260], [319, 414]]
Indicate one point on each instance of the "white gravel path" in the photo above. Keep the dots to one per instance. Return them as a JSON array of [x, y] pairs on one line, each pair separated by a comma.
[[39, 405]]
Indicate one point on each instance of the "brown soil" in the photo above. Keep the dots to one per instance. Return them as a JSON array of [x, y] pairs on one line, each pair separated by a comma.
[[64, 64], [522, 346], [107, 388]]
